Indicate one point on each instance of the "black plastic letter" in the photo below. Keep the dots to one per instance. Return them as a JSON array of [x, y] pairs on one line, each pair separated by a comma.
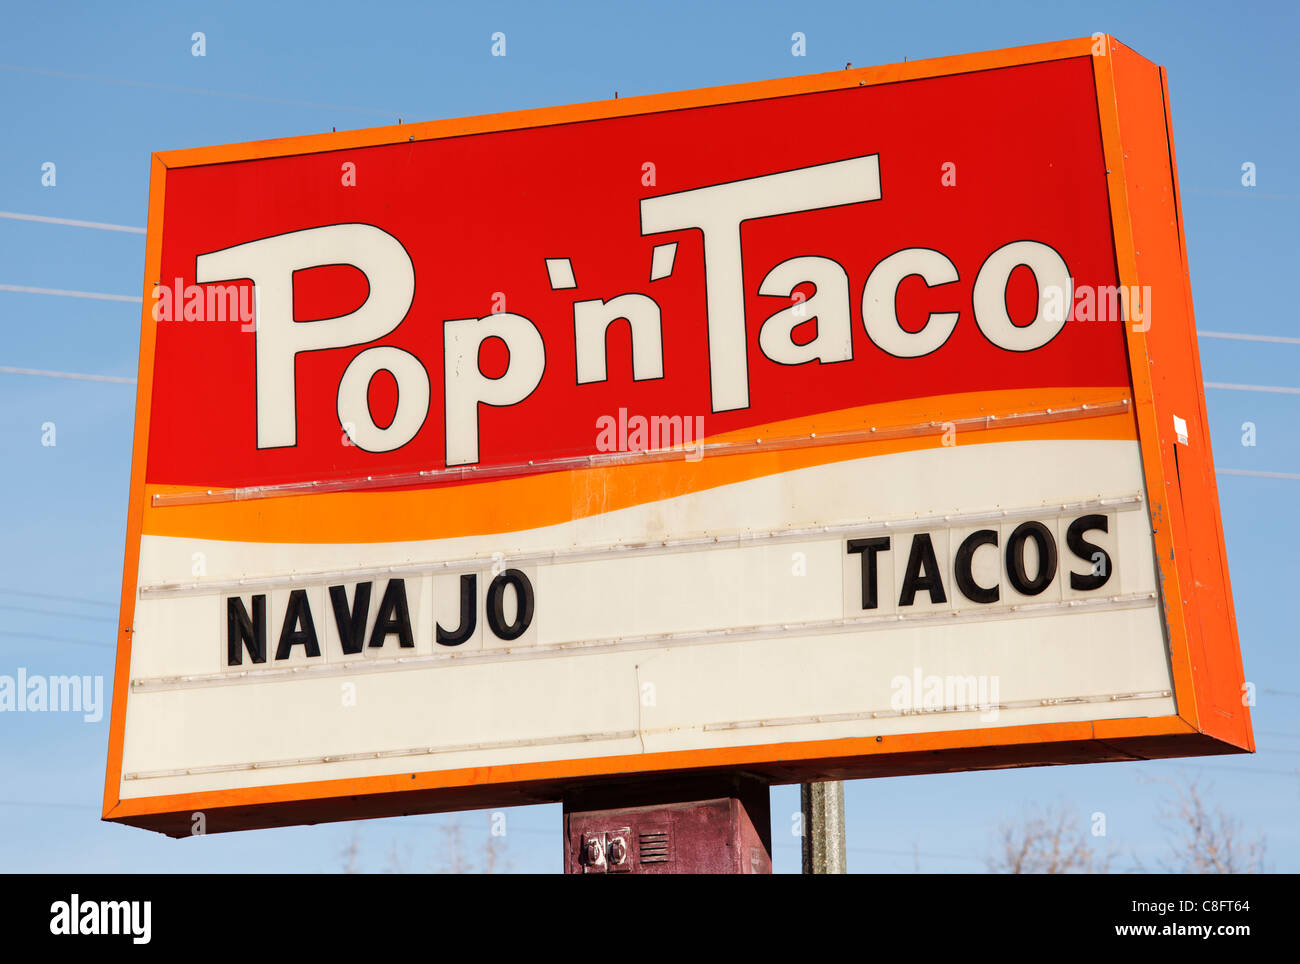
[[868, 548], [961, 568], [351, 625], [242, 631], [1086, 551], [922, 557], [468, 613], [298, 614], [496, 612], [1042, 536], [393, 617]]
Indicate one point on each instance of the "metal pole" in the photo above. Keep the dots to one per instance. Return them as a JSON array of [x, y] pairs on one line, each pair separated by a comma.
[[823, 828]]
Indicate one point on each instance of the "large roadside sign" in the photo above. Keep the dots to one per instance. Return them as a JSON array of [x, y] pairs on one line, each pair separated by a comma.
[[841, 426]]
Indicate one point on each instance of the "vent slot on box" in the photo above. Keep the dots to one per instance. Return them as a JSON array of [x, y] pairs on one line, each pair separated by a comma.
[[652, 846]]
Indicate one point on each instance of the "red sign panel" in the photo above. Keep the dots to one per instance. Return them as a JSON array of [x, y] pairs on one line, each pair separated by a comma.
[[478, 216]]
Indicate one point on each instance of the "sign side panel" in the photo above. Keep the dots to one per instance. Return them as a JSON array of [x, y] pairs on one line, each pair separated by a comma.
[[1197, 589], [1180, 395], [1143, 393], [136, 499]]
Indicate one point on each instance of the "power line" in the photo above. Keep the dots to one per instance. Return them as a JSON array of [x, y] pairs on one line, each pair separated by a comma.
[[197, 90], [95, 295], [78, 376], [58, 598], [9, 370], [1238, 336], [1248, 192], [56, 639], [104, 226], [1275, 389], [69, 222], [55, 612], [25, 289], [893, 853], [1260, 770], [455, 824], [1259, 474]]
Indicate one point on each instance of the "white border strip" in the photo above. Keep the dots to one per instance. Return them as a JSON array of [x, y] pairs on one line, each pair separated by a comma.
[[154, 684], [608, 551], [384, 755], [618, 735], [978, 708]]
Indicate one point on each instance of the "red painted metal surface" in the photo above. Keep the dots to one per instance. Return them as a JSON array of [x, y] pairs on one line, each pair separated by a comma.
[[676, 828]]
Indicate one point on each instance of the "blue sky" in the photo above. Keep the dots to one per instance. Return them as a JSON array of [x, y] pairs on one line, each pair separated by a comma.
[[96, 88]]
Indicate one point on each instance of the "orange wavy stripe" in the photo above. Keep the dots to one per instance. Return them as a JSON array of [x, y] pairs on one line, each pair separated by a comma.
[[507, 505]]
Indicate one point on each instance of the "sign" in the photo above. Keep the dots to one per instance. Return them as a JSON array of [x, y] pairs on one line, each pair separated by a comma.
[[840, 426]]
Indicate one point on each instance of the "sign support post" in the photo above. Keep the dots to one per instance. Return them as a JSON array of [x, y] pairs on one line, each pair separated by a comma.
[[822, 806]]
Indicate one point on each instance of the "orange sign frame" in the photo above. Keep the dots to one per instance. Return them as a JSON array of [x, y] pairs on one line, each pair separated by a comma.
[[1205, 659]]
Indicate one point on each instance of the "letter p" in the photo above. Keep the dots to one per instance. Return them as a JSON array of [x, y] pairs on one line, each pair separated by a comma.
[[467, 386], [271, 263]]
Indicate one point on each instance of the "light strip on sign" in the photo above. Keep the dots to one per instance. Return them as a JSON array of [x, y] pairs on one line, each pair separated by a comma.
[[384, 754], [822, 627], [470, 473], [927, 711], [615, 735], [615, 550]]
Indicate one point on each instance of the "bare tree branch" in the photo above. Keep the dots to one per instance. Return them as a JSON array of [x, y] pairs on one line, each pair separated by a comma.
[[349, 854], [1047, 841], [1205, 839]]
